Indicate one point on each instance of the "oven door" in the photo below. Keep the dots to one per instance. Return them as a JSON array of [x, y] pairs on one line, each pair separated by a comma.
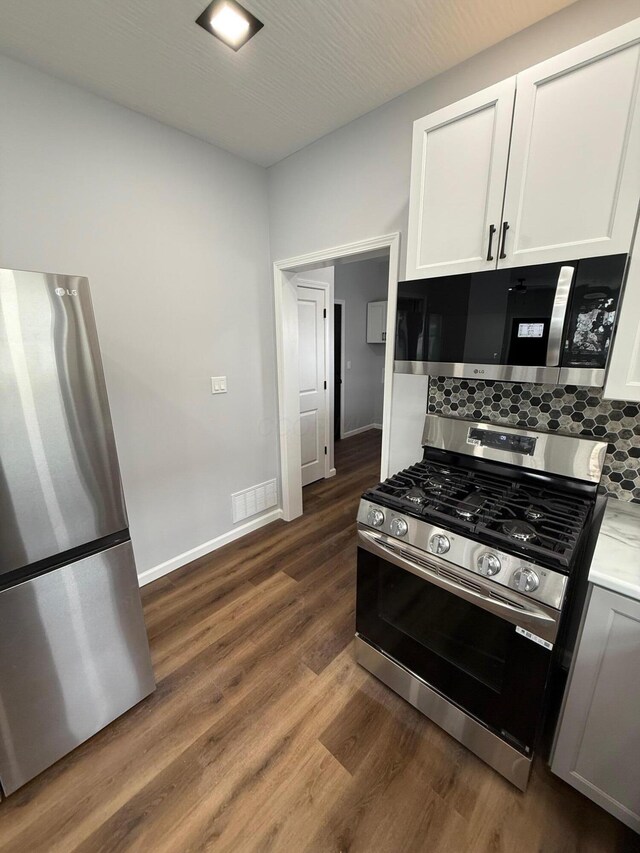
[[486, 651]]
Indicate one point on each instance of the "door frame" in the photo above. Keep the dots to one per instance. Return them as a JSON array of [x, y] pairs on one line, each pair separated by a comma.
[[286, 320], [343, 362]]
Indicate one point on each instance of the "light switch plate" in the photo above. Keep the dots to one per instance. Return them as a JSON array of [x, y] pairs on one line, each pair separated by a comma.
[[218, 384]]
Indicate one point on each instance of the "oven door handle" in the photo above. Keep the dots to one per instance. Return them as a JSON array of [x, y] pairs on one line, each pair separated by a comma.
[[541, 621], [558, 314]]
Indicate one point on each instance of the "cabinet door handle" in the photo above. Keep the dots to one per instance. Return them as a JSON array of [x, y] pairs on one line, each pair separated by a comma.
[[492, 231], [505, 228]]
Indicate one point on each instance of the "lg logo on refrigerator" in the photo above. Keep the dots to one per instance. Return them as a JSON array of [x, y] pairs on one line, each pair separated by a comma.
[[62, 291]]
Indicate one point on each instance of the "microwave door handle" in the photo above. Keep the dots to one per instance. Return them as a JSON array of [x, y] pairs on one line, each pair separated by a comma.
[[558, 314]]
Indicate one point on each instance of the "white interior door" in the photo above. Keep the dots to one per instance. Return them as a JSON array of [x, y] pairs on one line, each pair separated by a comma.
[[312, 373], [574, 168], [458, 171]]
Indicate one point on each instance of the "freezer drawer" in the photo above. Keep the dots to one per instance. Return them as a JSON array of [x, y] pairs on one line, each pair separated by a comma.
[[73, 656]]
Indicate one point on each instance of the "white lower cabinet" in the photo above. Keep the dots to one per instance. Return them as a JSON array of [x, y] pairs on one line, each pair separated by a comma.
[[597, 748]]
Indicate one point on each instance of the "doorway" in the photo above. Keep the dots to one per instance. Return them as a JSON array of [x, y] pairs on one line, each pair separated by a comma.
[[338, 366], [286, 279], [361, 285]]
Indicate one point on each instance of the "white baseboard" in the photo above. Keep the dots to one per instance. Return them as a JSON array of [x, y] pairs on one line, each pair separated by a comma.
[[358, 430], [207, 547]]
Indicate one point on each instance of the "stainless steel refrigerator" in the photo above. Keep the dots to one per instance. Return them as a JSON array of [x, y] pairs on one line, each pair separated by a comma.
[[73, 646]]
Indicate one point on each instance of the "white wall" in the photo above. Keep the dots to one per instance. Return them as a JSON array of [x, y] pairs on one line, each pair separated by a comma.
[[173, 235], [358, 283], [354, 183]]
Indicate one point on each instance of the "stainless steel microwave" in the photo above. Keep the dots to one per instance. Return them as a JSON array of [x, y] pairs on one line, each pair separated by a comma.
[[550, 323]]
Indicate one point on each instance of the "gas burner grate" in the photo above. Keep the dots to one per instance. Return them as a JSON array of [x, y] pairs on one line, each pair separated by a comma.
[[536, 521], [558, 523], [456, 487]]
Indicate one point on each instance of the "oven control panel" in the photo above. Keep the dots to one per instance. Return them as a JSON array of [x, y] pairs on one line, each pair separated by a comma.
[[508, 570], [509, 441]]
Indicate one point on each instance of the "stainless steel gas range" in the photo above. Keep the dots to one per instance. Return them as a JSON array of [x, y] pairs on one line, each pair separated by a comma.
[[467, 565]]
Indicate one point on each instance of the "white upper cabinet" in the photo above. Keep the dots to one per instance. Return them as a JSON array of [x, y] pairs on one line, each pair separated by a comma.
[[377, 322], [565, 160], [574, 168], [623, 375], [458, 170]]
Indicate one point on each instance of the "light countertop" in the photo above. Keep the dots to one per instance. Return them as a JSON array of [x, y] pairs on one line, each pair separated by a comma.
[[616, 561]]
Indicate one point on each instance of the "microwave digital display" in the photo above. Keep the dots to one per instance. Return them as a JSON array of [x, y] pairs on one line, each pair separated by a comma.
[[507, 441], [530, 330]]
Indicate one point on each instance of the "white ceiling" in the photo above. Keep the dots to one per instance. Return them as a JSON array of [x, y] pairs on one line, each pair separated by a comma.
[[315, 66]]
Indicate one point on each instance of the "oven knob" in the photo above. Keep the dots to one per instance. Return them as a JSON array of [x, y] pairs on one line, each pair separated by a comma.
[[375, 517], [399, 527], [525, 580], [488, 565], [439, 544]]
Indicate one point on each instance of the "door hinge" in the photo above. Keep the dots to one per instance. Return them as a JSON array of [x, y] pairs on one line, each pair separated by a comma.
[[324, 313], [325, 451], [325, 384]]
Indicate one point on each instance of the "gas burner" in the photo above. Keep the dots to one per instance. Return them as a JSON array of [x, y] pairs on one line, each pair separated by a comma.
[[470, 506], [436, 482], [416, 495], [519, 530], [533, 513]]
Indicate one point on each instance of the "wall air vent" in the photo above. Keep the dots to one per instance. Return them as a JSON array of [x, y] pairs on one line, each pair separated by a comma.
[[254, 500]]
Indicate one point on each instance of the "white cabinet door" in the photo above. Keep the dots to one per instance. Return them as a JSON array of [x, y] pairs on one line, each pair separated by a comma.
[[458, 170], [574, 167], [376, 322], [623, 375], [598, 744]]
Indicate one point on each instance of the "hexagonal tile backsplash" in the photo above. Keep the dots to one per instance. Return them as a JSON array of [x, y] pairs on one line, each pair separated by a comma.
[[549, 408]]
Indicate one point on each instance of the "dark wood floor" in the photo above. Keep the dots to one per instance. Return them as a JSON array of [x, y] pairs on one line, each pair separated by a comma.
[[264, 735]]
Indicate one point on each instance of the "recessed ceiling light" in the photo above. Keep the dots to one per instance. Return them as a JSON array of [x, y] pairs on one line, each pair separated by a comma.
[[230, 22]]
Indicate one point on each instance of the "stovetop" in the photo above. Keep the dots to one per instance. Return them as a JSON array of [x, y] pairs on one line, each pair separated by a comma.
[[521, 516]]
